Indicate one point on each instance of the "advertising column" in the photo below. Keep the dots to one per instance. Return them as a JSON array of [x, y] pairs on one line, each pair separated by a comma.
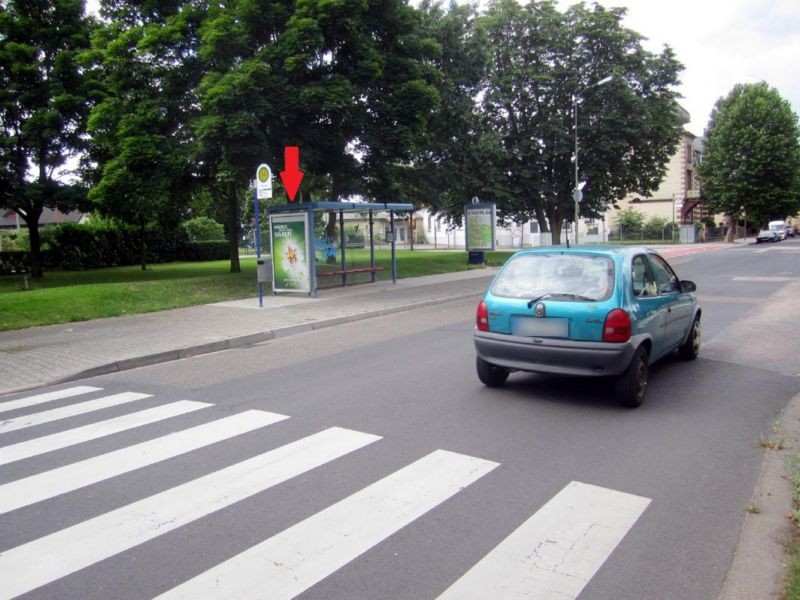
[[479, 218], [291, 271]]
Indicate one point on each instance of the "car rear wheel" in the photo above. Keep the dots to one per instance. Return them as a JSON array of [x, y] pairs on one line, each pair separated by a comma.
[[631, 387], [690, 349], [490, 374]]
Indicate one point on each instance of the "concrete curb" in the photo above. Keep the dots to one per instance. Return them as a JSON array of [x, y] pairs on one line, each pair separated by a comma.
[[242, 341], [758, 568]]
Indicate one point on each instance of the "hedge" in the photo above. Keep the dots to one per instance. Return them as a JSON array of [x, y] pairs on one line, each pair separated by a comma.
[[206, 250], [72, 246]]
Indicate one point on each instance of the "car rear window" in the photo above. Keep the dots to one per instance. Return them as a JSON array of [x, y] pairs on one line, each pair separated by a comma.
[[571, 276]]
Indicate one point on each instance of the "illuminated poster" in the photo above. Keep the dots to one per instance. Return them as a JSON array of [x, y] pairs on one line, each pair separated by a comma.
[[480, 219], [290, 252]]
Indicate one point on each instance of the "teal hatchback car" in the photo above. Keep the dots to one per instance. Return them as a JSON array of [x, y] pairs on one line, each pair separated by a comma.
[[588, 311]]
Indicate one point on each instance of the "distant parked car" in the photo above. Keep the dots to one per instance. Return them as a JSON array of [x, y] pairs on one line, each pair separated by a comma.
[[589, 312], [778, 227], [790, 231], [767, 235]]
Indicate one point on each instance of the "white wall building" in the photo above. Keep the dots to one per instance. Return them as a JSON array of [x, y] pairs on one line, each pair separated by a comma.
[[440, 233]]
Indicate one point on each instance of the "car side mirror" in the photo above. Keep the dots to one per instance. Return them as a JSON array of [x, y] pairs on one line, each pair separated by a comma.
[[688, 286]]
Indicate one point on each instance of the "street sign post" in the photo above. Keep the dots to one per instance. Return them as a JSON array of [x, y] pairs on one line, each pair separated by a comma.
[[263, 191]]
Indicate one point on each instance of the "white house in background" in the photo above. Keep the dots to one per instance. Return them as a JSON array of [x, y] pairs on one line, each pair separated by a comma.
[[678, 198], [11, 221], [439, 232]]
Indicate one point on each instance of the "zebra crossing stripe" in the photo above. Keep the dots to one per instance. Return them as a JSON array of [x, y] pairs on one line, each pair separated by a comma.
[[93, 431], [72, 410], [47, 397], [68, 478], [292, 561], [557, 551], [41, 561]]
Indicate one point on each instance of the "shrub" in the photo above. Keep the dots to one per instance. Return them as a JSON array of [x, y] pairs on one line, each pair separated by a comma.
[[15, 261], [204, 229], [654, 229]]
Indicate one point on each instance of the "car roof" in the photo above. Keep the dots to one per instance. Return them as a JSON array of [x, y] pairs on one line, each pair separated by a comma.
[[610, 251]]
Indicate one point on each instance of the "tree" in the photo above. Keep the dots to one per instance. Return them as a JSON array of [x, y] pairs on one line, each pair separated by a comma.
[[145, 57], [44, 101], [337, 79], [751, 164], [456, 159], [545, 64]]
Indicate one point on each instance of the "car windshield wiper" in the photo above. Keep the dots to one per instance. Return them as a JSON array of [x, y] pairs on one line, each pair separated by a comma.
[[535, 300], [561, 295]]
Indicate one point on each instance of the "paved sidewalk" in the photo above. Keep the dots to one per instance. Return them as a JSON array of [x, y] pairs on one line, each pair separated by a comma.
[[54, 353]]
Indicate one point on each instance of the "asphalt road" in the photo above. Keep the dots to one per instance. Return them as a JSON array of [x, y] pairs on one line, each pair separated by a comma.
[[629, 504]]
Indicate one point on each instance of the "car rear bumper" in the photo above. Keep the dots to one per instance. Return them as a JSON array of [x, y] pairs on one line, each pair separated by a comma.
[[560, 357]]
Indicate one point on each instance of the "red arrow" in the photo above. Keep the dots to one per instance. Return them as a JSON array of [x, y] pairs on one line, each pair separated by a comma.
[[291, 176]]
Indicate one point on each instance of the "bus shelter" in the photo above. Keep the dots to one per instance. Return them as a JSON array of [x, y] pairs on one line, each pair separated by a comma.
[[294, 244]]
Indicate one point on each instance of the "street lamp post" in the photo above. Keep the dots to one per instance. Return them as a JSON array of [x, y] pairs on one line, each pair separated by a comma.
[[578, 192]]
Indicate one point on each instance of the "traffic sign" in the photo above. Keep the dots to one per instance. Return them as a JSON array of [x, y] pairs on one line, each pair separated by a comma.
[[263, 182]]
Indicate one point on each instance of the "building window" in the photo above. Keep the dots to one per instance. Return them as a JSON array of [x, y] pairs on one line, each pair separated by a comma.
[[534, 228]]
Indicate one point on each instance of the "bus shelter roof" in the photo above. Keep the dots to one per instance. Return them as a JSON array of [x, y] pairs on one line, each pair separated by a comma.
[[343, 206]]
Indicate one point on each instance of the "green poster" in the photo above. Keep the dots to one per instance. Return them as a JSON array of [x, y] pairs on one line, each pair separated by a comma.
[[290, 266], [480, 226]]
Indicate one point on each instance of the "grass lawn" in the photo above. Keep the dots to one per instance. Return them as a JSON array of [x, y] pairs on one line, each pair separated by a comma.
[[67, 296]]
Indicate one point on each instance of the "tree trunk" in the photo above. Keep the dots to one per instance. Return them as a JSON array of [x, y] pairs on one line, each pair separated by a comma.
[[233, 227], [143, 244], [32, 221]]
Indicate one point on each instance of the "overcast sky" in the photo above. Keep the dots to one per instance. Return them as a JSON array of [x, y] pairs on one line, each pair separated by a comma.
[[720, 44]]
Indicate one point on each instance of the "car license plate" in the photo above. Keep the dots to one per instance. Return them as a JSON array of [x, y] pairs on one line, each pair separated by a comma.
[[537, 327]]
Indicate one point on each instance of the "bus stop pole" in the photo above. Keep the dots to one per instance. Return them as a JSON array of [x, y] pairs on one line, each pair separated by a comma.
[[394, 253], [258, 247]]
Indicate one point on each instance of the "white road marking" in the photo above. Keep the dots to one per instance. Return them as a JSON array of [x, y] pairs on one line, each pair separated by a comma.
[[51, 557], [555, 553], [764, 279], [68, 478], [294, 560], [47, 397], [72, 410], [93, 431]]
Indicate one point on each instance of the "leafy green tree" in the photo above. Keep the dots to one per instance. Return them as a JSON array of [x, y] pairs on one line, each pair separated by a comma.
[[44, 101], [145, 56], [544, 65], [752, 156], [455, 161], [337, 79]]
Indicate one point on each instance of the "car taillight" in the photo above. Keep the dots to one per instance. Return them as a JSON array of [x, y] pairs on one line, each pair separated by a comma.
[[617, 327], [482, 317]]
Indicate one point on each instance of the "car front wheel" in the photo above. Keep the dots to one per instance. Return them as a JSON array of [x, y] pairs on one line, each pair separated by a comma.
[[631, 387], [489, 374], [690, 349]]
